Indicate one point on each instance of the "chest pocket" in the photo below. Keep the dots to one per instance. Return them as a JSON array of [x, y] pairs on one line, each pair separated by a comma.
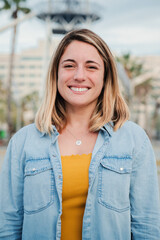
[[38, 185], [114, 183]]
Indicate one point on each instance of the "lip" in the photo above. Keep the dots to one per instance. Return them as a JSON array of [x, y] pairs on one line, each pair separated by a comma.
[[78, 86]]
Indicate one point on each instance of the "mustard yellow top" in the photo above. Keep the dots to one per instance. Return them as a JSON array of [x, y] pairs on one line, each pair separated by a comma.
[[75, 171]]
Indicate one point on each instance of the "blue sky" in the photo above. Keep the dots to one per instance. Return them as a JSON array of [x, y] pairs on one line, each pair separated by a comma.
[[132, 25], [126, 26]]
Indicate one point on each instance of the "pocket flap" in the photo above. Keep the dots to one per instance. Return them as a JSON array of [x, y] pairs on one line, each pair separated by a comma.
[[117, 164], [34, 166]]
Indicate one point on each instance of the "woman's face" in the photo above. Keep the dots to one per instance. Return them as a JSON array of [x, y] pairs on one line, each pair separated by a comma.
[[80, 75]]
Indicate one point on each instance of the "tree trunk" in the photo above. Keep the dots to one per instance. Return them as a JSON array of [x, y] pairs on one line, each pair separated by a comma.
[[10, 77]]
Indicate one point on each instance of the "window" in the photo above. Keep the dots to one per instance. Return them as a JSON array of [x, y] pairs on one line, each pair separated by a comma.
[[31, 58], [32, 66], [21, 66]]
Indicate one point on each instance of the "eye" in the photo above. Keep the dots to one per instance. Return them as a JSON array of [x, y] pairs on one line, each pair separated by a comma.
[[92, 67], [68, 66]]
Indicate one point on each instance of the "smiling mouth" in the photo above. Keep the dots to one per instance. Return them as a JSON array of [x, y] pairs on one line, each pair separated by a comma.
[[75, 89]]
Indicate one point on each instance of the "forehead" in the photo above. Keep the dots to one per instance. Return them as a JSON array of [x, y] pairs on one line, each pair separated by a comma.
[[81, 49]]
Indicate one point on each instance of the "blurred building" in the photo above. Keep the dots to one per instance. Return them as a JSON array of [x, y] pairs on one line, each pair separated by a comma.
[[28, 70], [146, 96], [152, 64]]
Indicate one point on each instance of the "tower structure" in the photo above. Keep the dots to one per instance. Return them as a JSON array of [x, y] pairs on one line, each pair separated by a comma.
[[67, 14]]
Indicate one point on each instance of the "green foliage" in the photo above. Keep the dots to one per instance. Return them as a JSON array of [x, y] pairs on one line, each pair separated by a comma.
[[31, 100], [30, 103], [15, 6], [3, 95], [24, 10], [3, 105], [6, 5], [132, 66]]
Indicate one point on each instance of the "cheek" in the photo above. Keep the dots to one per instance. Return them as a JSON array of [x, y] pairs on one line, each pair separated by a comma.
[[100, 85], [63, 76], [60, 84], [60, 78], [101, 81]]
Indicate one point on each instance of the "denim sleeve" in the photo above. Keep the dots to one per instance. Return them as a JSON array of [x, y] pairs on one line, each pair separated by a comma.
[[11, 195], [144, 195]]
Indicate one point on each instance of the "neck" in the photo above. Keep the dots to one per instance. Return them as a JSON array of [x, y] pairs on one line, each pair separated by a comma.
[[78, 118]]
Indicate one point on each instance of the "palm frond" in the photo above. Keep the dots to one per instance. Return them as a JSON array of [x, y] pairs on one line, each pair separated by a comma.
[[6, 5], [24, 10], [18, 2]]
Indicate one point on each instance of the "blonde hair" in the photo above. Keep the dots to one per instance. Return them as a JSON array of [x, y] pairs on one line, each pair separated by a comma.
[[110, 106]]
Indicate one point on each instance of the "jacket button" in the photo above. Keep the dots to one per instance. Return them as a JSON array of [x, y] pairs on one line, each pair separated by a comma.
[[33, 169], [59, 176], [121, 169]]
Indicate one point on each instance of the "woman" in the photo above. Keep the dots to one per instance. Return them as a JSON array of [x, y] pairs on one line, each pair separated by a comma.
[[82, 171]]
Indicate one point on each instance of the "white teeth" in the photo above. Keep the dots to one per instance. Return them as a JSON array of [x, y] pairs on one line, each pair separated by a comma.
[[78, 89]]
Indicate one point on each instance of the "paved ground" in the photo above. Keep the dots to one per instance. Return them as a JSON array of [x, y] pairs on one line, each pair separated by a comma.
[[156, 146]]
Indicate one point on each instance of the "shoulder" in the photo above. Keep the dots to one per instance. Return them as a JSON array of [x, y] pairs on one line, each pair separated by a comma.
[[132, 129], [132, 135], [29, 142], [28, 131]]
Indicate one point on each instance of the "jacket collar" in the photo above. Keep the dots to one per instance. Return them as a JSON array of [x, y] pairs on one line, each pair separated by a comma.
[[42, 134], [107, 127]]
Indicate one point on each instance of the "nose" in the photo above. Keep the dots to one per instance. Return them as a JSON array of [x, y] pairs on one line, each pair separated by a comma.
[[79, 74]]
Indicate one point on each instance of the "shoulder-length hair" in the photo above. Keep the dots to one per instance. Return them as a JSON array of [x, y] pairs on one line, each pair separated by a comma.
[[110, 104]]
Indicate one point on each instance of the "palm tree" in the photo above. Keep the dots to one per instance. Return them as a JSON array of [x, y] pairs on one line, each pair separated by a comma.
[[156, 117], [132, 67], [15, 6], [141, 89], [30, 103], [3, 108], [2, 103]]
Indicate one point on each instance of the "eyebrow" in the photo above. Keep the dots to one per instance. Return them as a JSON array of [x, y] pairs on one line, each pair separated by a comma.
[[72, 60], [91, 61], [68, 60]]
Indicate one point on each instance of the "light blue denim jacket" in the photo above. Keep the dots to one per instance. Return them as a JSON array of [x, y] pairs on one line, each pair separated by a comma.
[[122, 201]]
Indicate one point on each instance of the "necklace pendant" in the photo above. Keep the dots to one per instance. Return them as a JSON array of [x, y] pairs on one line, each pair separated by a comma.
[[78, 142]]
